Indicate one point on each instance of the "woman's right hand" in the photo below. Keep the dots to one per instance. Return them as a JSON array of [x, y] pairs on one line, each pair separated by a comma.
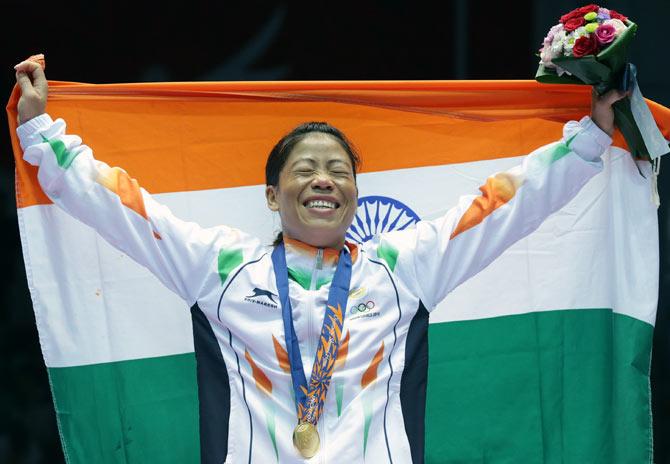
[[34, 89]]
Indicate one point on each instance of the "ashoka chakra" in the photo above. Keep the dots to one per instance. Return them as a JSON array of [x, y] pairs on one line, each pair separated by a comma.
[[378, 214]]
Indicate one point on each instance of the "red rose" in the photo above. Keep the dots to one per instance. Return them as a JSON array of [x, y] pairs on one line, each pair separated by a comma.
[[578, 13], [568, 16], [617, 15], [585, 45], [588, 9], [574, 23]]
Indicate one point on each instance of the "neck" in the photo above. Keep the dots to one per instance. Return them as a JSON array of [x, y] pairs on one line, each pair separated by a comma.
[[333, 244]]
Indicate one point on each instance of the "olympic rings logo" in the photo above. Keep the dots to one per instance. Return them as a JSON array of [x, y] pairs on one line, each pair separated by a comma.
[[362, 307]]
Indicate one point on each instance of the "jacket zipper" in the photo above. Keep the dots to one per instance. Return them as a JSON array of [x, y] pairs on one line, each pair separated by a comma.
[[318, 265]]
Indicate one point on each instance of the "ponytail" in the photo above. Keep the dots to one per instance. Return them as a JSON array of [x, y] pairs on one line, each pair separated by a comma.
[[278, 239]]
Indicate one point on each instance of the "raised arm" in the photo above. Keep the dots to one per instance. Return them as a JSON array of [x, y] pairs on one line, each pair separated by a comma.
[[439, 255], [181, 254]]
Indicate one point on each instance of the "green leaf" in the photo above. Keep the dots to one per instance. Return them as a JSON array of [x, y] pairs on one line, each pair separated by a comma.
[[546, 75], [586, 69]]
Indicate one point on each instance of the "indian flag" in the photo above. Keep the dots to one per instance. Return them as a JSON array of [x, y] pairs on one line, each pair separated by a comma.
[[541, 358]]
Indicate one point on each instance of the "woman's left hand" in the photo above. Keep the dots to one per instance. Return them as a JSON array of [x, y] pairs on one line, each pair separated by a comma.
[[601, 109]]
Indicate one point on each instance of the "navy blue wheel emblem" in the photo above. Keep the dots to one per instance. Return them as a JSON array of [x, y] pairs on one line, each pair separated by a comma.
[[378, 214]]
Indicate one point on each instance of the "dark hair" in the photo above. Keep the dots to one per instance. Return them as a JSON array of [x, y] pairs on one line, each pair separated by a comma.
[[283, 148]]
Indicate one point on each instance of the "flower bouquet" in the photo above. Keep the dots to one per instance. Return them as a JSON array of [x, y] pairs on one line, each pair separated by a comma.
[[589, 46]]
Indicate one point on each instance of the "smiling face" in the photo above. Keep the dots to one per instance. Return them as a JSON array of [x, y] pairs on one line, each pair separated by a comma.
[[317, 195]]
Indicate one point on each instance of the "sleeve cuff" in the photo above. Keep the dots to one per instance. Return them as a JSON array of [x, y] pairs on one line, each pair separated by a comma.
[[596, 132], [29, 129], [586, 139]]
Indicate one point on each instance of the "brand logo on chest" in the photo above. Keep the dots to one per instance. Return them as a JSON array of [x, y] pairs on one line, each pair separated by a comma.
[[263, 298]]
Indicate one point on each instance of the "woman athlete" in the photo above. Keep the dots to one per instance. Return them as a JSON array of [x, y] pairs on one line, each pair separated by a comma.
[[331, 383]]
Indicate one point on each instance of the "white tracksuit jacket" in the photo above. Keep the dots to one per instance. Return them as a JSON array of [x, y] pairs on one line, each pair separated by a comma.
[[375, 406]]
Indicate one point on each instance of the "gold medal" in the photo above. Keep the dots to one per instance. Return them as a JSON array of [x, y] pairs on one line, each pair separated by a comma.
[[306, 439]]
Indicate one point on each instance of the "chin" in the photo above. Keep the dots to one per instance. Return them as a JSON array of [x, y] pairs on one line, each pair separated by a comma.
[[319, 232]]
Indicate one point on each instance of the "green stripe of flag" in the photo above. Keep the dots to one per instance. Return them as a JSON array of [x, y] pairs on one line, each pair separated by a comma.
[[560, 386], [139, 411], [548, 387]]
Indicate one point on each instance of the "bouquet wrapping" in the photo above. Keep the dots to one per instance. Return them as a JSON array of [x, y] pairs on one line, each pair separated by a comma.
[[590, 46]]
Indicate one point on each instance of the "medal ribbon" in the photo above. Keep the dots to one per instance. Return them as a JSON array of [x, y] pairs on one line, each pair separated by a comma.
[[310, 398]]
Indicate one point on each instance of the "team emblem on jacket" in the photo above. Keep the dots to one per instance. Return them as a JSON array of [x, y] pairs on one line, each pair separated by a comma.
[[363, 309], [262, 297]]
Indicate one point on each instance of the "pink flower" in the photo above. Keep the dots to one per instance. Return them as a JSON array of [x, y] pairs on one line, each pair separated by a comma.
[[605, 34], [619, 26]]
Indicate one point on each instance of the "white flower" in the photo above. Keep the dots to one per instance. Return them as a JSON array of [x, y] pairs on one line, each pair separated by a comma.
[[552, 50], [547, 64], [580, 31], [557, 50], [545, 58], [558, 37], [552, 33]]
